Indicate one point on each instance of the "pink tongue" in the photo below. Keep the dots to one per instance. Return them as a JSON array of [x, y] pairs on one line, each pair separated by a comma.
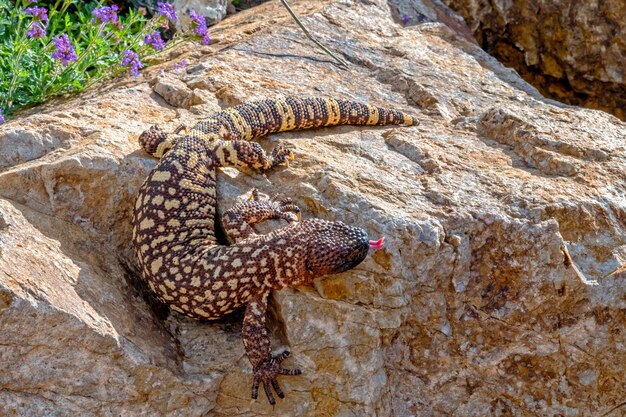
[[377, 244]]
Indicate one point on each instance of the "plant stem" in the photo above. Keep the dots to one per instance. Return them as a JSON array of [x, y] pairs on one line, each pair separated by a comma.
[[86, 51], [43, 84], [53, 23], [168, 46], [21, 44], [306, 32], [16, 70]]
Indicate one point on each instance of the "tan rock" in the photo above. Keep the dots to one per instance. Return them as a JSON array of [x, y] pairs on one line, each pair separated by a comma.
[[500, 290]]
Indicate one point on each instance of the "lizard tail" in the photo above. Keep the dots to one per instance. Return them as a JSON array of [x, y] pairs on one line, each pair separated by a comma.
[[258, 118]]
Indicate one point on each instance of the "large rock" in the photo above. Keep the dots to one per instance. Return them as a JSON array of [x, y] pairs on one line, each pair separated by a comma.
[[573, 51], [500, 290], [213, 10]]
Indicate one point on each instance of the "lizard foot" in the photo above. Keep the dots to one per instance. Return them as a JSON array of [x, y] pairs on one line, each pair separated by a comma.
[[285, 209], [156, 141], [280, 208], [281, 155], [267, 374]]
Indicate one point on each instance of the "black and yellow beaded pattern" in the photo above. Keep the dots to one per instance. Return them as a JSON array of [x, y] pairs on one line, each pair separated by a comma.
[[174, 217]]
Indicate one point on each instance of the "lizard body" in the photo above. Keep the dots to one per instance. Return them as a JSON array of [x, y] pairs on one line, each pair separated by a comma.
[[174, 217]]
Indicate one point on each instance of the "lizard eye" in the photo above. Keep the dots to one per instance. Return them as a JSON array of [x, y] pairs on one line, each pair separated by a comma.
[[307, 267]]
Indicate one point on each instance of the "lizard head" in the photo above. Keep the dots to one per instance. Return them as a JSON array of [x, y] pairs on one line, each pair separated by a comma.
[[334, 247]]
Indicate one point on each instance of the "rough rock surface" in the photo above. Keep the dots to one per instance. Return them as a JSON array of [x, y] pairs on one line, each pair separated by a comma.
[[573, 51], [500, 290]]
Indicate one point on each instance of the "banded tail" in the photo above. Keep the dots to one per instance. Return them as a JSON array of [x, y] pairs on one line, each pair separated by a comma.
[[258, 118]]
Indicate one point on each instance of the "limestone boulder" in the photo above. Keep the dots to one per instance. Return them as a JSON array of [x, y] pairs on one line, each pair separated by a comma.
[[500, 290]]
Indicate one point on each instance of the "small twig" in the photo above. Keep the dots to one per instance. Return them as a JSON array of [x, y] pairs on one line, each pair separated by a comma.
[[306, 32], [569, 262]]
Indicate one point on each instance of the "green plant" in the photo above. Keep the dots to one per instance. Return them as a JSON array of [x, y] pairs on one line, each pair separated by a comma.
[[74, 44]]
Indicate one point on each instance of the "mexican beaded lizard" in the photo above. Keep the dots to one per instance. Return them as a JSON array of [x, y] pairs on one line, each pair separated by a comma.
[[173, 224]]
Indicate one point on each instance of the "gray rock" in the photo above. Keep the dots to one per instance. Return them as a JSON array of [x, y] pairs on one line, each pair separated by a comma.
[[213, 10]]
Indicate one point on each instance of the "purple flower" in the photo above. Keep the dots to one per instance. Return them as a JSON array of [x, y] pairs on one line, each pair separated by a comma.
[[64, 50], [105, 14], [200, 27], [38, 13], [182, 64], [1, 116], [196, 17], [32, 1], [155, 40], [206, 39], [167, 10], [37, 30], [131, 59], [405, 19]]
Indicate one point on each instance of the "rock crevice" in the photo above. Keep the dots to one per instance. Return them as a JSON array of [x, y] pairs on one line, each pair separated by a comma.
[[572, 52]]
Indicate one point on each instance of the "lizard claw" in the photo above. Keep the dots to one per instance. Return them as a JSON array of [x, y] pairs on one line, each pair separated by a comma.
[[283, 201], [179, 129], [254, 195], [267, 374], [281, 155], [285, 209]]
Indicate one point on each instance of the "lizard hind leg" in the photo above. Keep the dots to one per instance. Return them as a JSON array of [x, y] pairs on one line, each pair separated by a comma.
[[266, 367]]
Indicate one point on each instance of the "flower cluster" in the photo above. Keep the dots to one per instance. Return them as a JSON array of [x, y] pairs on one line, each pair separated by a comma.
[[64, 50], [155, 40], [105, 14], [38, 13], [38, 26], [37, 30], [131, 59], [200, 27], [81, 41], [167, 10]]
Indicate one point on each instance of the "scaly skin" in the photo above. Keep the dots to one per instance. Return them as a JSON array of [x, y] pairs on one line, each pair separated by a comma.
[[174, 217]]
